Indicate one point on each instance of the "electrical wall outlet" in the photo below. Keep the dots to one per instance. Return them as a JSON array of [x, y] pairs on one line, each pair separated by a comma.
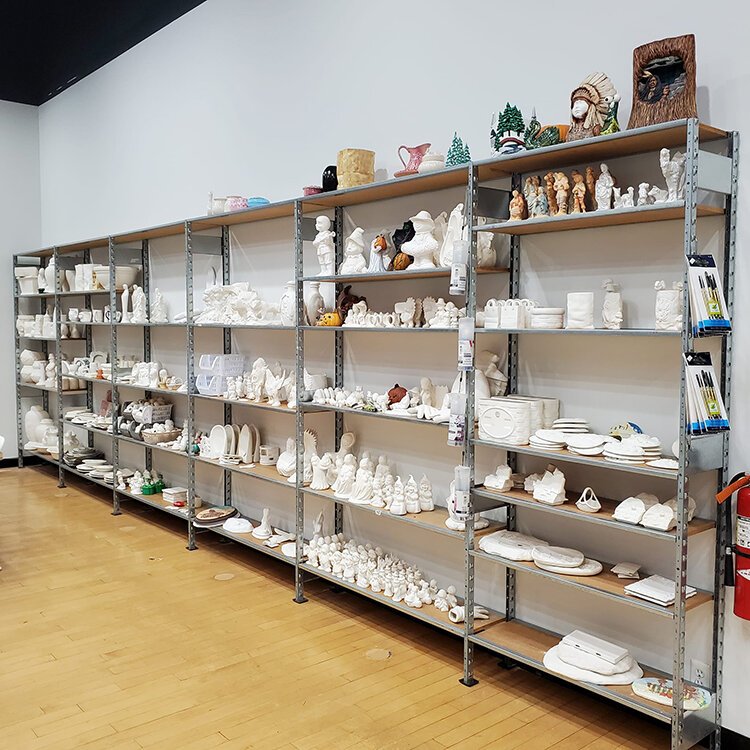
[[700, 673]]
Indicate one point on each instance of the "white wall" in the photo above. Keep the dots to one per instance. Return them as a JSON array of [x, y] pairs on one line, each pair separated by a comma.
[[256, 98], [20, 218]]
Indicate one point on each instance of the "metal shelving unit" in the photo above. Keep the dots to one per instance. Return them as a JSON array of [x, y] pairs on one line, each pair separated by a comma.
[[520, 641]]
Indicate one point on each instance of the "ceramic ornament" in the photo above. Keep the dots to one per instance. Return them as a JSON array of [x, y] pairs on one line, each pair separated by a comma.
[[431, 162], [612, 308], [593, 108], [604, 188], [354, 254], [669, 307], [580, 310], [506, 134], [423, 246], [630, 510], [324, 246], [691, 506]]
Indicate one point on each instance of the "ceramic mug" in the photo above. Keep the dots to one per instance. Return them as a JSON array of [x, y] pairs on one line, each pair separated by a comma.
[[84, 316], [73, 315], [98, 316]]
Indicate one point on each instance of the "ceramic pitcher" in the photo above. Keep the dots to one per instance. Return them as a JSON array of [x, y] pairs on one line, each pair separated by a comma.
[[416, 154]]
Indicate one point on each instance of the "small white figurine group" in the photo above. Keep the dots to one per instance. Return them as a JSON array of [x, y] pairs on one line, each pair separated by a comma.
[[139, 313], [263, 383], [411, 313]]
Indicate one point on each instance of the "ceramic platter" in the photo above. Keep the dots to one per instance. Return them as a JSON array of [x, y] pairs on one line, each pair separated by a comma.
[[218, 440], [244, 444], [229, 430], [661, 690], [664, 463]]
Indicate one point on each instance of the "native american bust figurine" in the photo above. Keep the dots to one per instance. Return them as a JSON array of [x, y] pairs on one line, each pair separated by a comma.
[[593, 105]]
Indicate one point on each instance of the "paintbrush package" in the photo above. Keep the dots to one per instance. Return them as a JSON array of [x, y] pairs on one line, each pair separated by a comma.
[[705, 407], [708, 308]]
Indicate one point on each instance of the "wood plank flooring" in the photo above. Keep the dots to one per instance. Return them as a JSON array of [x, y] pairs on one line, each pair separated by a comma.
[[114, 637]]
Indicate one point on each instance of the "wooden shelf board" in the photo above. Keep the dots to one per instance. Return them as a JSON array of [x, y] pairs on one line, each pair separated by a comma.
[[372, 329], [438, 273], [604, 516], [640, 332], [267, 473], [248, 540], [155, 501], [284, 409], [261, 213], [606, 584], [396, 187], [76, 392], [613, 217], [433, 520], [528, 644], [593, 150], [163, 230], [427, 613], [310, 408], [565, 455]]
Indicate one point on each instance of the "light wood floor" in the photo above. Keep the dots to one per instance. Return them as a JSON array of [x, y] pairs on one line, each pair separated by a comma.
[[113, 636]]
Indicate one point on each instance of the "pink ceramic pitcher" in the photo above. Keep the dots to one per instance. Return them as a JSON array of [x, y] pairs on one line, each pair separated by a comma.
[[416, 154]]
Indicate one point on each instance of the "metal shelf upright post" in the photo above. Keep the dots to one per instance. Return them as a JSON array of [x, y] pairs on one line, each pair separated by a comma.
[[146, 278], [115, 407], [227, 349], [190, 380]]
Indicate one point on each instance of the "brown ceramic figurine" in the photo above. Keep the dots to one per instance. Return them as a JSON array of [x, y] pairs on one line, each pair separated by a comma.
[[590, 105], [549, 185], [346, 300], [591, 189], [518, 208], [562, 193], [578, 193]]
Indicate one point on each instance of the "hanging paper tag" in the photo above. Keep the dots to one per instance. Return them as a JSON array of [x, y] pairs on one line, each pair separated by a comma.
[[458, 267], [465, 344], [462, 487]]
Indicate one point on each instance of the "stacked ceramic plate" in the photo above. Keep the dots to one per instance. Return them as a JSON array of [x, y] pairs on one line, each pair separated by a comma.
[[76, 456], [651, 446], [81, 417], [587, 443], [549, 440], [624, 453], [100, 470], [565, 561], [571, 425], [211, 517]]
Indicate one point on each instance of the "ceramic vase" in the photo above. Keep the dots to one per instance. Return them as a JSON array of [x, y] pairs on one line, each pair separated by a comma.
[[32, 419], [287, 306], [315, 303]]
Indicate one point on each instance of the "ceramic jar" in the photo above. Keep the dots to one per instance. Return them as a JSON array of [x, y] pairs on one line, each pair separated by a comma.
[[431, 162], [32, 419]]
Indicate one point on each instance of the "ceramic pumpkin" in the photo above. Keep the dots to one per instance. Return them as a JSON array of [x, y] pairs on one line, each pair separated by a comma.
[[401, 261], [330, 319]]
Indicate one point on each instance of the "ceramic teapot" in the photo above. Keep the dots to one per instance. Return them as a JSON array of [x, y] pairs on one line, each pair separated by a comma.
[[416, 154]]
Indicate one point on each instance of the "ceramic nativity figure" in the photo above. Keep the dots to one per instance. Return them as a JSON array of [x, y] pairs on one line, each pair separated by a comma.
[[562, 193], [604, 186], [674, 173], [518, 210], [549, 189], [323, 244], [453, 234], [612, 309], [593, 108], [354, 253]]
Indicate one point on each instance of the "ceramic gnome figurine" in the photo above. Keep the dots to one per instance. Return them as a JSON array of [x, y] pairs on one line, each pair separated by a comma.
[[604, 187], [669, 310], [612, 308], [423, 246], [324, 247], [674, 173], [354, 253]]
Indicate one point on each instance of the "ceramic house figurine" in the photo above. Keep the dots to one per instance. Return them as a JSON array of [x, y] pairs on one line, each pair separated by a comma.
[[580, 310], [323, 244], [354, 253], [592, 108], [578, 193], [612, 308], [562, 193], [550, 489], [673, 170], [669, 309], [506, 135], [604, 186], [423, 246]]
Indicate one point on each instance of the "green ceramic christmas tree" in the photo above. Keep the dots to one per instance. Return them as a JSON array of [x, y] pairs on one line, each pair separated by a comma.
[[455, 155]]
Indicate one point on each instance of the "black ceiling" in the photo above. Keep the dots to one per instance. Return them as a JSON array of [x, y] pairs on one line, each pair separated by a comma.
[[45, 47]]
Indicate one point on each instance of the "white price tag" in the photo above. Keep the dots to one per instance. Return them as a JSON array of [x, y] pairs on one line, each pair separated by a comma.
[[456, 429], [462, 504], [465, 355]]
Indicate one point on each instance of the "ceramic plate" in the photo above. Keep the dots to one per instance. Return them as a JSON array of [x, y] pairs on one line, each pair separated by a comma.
[[550, 436], [584, 440], [244, 447], [256, 443], [588, 451], [570, 420], [218, 440], [237, 431], [664, 463], [230, 438]]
